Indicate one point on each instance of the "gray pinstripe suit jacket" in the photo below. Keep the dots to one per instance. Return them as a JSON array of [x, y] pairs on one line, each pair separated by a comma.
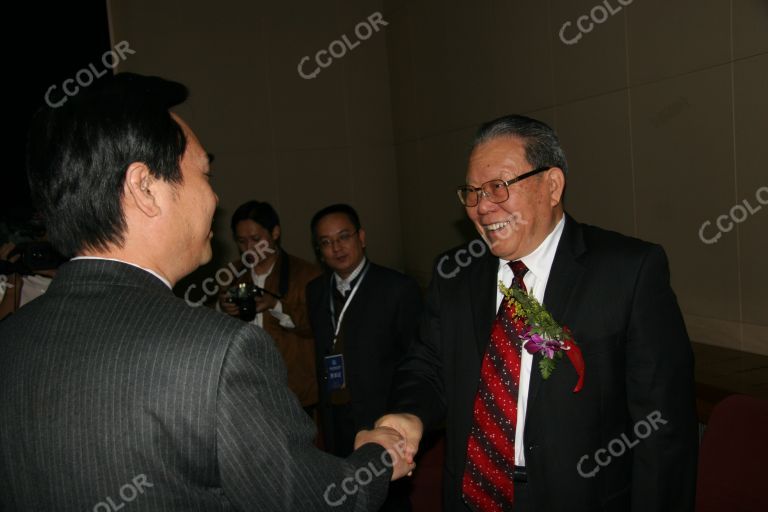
[[114, 394]]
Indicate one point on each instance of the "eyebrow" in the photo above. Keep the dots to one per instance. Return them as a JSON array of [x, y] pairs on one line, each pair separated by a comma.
[[345, 230], [500, 177]]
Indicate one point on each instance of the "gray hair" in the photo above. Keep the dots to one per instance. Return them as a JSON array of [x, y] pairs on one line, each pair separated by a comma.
[[542, 147]]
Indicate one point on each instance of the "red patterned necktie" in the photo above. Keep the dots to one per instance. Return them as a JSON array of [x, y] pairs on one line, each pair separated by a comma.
[[488, 476]]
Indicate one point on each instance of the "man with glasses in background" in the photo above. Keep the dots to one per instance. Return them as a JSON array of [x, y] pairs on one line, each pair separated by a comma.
[[610, 423], [364, 317]]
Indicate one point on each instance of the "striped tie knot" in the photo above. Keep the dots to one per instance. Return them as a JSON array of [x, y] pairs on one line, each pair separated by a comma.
[[519, 269]]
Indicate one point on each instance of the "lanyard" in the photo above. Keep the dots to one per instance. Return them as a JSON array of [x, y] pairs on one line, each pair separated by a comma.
[[337, 325]]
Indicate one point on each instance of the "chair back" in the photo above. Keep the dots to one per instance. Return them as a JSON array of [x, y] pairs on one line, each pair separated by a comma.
[[733, 458]]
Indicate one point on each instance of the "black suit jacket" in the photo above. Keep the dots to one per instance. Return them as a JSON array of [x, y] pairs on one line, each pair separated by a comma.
[[379, 326], [613, 292], [112, 388]]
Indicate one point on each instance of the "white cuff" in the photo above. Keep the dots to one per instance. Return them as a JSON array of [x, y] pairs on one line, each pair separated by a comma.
[[284, 318]]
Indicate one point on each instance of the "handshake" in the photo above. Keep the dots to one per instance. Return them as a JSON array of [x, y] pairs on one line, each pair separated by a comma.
[[400, 435]]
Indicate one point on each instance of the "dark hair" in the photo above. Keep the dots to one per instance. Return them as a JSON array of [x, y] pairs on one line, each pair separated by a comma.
[[330, 210], [259, 212], [78, 153], [542, 147]]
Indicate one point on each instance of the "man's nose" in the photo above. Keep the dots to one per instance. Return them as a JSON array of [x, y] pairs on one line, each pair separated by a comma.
[[484, 204]]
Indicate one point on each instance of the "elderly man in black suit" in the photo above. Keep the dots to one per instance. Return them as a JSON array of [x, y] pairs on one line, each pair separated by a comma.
[[114, 391], [521, 435]]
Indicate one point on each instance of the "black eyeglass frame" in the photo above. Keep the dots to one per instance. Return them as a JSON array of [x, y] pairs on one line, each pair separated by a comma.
[[507, 183], [327, 242]]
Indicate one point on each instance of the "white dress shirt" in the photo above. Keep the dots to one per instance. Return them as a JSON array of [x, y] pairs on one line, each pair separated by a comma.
[[539, 263], [345, 284], [260, 280], [284, 318]]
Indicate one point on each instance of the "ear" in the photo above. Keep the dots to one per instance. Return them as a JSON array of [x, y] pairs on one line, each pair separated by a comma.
[[361, 234], [276, 233], [140, 188], [556, 185]]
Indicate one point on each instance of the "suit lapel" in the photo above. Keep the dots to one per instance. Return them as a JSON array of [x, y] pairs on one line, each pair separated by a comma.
[[482, 292], [564, 276], [354, 317]]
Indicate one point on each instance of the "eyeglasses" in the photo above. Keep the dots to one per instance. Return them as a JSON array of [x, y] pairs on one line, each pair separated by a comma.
[[343, 239], [497, 191]]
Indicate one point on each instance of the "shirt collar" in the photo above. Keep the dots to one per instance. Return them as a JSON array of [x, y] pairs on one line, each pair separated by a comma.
[[164, 280], [539, 262], [344, 285]]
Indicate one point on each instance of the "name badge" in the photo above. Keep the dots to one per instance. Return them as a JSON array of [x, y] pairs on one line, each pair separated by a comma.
[[334, 371]]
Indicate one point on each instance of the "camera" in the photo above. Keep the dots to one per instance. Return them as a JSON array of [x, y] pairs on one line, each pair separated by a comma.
[[34, 257], [244, 296]]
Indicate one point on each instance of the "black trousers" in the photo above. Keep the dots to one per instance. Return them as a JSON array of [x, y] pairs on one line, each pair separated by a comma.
[[523, 501]]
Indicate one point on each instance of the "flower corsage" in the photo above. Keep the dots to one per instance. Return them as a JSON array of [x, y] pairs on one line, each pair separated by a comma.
[[540, 333]]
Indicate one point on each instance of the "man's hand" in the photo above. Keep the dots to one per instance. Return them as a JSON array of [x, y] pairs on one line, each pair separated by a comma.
[[407, 425], [229, 308], [393, 443], [6, 249]]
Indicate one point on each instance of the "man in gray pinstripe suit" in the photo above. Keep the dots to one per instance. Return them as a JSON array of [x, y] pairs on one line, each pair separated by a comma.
[[113, 392]]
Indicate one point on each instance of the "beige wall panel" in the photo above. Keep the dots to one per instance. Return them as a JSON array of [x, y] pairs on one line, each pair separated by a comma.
[[669, 38], [684, 176], [595, 136]]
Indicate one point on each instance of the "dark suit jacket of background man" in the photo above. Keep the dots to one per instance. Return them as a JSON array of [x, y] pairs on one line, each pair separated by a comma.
[[110, 381], [296, 345], [613, 292], [378, 328]]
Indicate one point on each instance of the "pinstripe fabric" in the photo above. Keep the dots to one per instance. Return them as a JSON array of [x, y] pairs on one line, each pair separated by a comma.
[[111, 388]]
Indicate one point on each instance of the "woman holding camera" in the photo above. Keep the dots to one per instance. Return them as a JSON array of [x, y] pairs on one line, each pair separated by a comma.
[[272, 294]]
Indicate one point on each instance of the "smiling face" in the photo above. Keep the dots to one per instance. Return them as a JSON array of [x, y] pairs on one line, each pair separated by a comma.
[[517, 226]]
